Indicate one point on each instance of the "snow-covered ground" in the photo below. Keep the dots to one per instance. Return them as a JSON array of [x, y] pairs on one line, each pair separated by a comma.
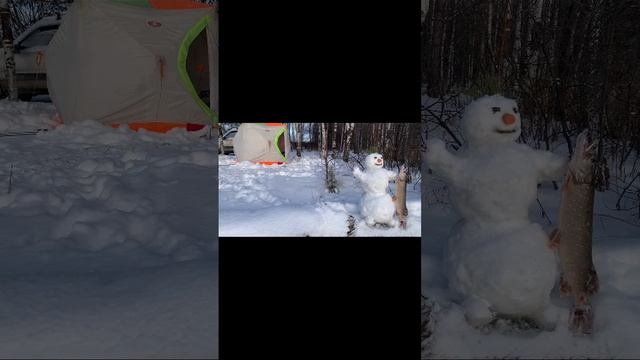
[[616, 252], [292, 200], [107, 244]]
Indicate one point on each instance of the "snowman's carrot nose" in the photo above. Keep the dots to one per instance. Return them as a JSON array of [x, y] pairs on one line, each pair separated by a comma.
[[508, 119]]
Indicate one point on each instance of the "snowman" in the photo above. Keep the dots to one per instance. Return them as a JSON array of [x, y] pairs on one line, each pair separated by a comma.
[[376, 205], [497, 260]]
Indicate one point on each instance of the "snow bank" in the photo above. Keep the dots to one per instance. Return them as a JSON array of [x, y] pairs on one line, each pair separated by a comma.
[[25, 116], [94, 187], [108, 248]]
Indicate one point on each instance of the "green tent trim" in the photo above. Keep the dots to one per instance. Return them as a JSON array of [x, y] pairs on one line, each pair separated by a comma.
[[278, 135], [182, 66]]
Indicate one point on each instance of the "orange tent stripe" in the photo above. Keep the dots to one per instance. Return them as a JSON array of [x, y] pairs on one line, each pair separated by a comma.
[[270, 162], [177, 4], [274, 124], [161, 127]]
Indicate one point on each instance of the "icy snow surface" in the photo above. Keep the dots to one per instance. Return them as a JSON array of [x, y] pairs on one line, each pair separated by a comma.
[[292, 200], [107, 244], [616, 306]]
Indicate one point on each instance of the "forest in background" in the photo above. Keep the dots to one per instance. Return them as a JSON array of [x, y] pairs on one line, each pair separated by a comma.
[[570, 64], [399, 143], [25, 13]]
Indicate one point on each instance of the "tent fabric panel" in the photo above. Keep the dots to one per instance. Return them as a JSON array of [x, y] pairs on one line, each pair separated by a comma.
[[102, 83]]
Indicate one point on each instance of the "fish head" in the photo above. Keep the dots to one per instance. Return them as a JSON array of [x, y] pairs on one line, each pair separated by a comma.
[[403, 173], [582, 161], [492, 119]]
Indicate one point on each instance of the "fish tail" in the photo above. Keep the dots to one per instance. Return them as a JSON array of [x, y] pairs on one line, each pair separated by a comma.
[[581, 318]]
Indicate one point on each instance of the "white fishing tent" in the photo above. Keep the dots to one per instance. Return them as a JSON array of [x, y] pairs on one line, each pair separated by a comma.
[[146, 63], [264, 143]]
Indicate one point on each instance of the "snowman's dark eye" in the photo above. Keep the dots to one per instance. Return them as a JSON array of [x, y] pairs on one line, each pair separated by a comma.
[[495, 109], [375, 157], [515, 110]]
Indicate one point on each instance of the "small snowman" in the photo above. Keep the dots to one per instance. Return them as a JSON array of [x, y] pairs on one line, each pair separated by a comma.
[[376, 205], [497, 260]]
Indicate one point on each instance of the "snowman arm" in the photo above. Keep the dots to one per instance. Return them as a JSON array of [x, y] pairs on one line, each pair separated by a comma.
[[550, 166], [357, 173], [441, 160]]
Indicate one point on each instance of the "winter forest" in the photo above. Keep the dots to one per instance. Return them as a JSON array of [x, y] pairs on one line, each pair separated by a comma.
[[320, 175], [569, 66], [25, 13], [397, 141]]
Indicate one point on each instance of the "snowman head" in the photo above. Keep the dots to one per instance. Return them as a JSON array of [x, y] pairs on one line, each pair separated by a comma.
[[374, 161], [491, 119]]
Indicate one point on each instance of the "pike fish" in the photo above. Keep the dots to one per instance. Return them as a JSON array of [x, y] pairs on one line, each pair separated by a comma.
[[400, 199], [572, 238]]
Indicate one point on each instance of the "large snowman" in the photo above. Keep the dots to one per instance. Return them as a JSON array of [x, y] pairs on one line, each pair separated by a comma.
[[376, 205], [497, 261]]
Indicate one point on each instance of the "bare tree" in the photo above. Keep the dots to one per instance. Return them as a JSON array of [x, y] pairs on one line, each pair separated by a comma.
[[347, 141], [7, 44], [330, 177], [324, 149], [569, 63], [299, 129], [334, 136]]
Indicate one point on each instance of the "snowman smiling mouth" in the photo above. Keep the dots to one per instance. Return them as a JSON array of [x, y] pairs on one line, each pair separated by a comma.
[[500, 131]]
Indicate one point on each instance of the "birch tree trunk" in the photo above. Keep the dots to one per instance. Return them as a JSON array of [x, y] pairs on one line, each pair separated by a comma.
[[7, 44], [299, 129], [347, 141], [334, 145], [324, 148]]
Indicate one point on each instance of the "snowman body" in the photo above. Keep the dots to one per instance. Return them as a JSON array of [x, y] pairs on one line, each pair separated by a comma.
[[497, 260], [376, 206]]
